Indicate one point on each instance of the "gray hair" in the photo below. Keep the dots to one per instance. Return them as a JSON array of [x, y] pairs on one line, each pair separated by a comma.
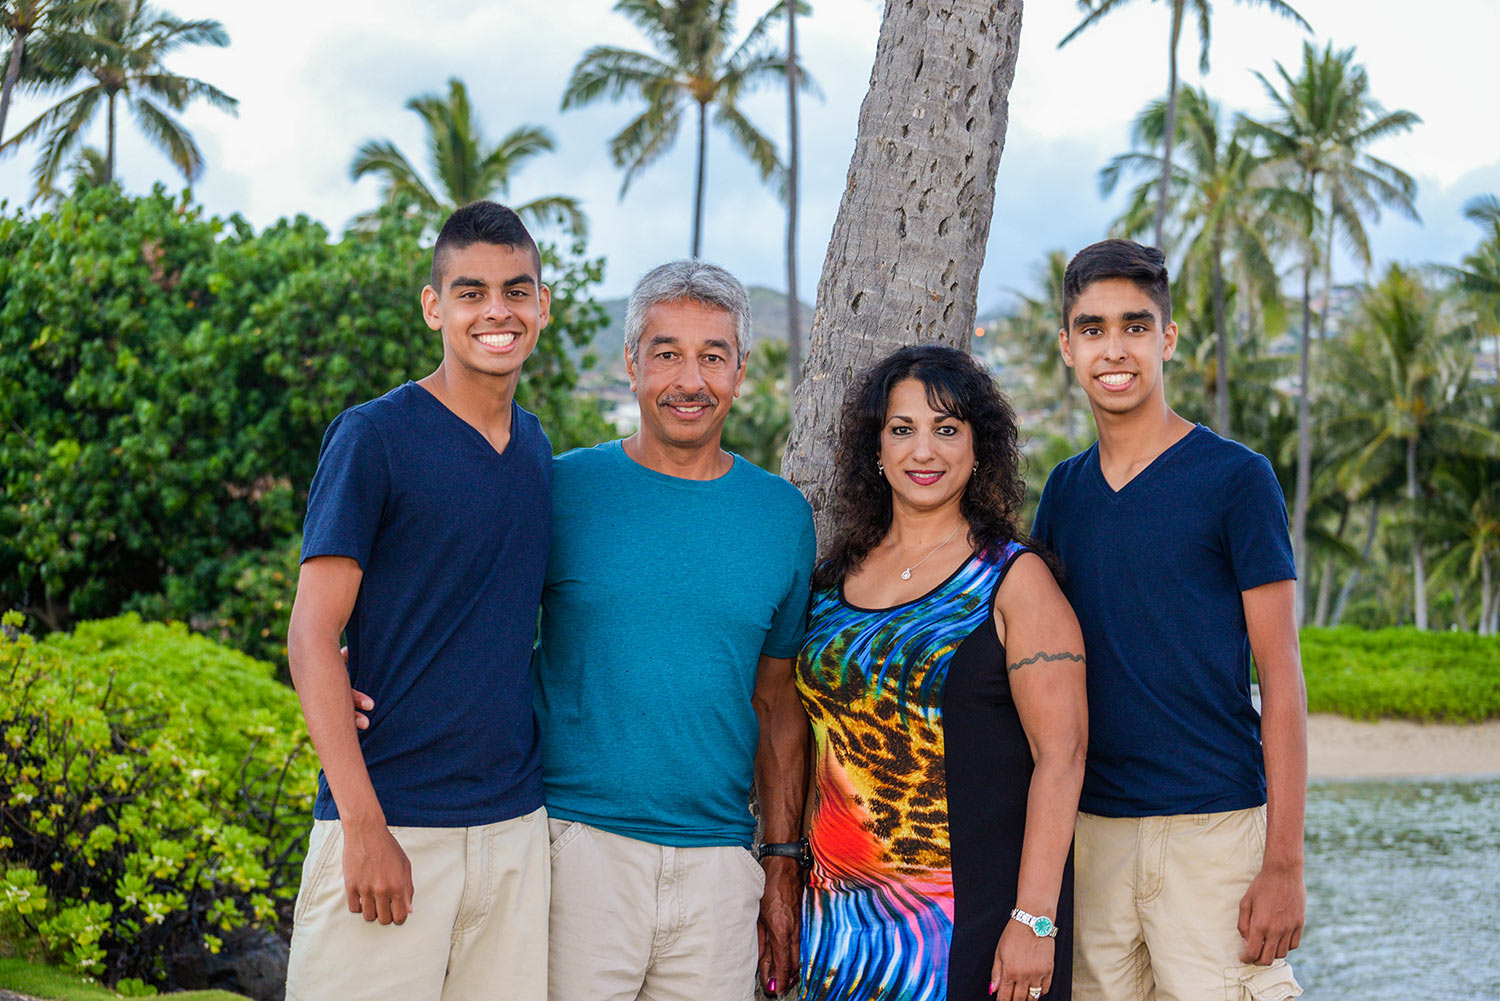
[[693, 280]]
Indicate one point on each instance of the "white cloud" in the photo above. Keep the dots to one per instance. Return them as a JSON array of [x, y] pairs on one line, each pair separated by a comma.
[[315, 79]]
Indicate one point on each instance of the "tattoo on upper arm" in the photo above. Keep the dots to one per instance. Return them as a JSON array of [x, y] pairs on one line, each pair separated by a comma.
[[1064, 655]]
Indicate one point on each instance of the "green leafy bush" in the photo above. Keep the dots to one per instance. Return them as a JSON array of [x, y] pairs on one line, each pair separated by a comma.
[[1402, 673], [168, 376], [155, 793]]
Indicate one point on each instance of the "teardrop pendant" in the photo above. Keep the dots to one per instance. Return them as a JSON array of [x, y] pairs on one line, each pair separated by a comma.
[[906, 575]]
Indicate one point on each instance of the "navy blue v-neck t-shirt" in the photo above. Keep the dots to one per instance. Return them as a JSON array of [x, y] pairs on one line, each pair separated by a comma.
[[453, 539], [1155, 572]]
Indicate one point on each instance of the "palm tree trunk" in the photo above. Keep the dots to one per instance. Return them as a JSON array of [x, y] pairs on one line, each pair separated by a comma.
[[12, 74], [903, 260], [698, 180], [1364, 559], [1327, 283], [109, 143], [1171, 133], [1461, 619], [1221, 331], [1067, 395], [1487, 603], [1418, 558], [1304, 447], [794, 305], [1325, 579]]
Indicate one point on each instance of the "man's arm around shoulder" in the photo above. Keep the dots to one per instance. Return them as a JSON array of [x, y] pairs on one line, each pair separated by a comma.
[[377, 875], [1274, 907]]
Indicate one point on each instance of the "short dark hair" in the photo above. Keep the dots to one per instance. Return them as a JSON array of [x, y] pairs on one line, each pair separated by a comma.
[[481, 222], [1145, 266], [860, 502]]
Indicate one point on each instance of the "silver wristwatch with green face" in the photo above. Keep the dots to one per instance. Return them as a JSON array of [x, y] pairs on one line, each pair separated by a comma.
[[1041, 927]]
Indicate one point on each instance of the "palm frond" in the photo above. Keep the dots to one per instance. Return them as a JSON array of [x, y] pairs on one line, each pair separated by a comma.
[[613, 73], [644, 139], [168, 135], [558, 210]]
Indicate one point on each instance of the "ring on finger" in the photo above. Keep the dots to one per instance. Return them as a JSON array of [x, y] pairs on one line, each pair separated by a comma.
[[1035, 992]]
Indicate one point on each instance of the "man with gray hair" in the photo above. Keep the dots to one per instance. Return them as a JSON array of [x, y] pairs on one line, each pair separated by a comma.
[[673, 608]]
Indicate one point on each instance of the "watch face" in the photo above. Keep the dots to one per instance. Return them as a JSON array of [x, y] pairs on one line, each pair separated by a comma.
[[1043, 926]]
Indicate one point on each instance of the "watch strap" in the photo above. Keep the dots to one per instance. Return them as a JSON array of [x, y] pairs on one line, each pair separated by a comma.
[[1041, 926], [798, 850]]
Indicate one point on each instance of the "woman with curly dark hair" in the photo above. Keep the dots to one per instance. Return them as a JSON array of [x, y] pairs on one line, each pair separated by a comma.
[[943, 672]]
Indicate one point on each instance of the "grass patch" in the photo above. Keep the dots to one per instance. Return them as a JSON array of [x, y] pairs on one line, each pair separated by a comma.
[[40, 980], [1402, 674]]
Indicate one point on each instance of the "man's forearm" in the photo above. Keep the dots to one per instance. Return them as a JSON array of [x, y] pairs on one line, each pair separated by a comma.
[[781, 764], [1284, 738], [322, 685]]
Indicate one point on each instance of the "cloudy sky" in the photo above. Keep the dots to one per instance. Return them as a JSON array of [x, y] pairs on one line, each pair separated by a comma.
[[315, 78]]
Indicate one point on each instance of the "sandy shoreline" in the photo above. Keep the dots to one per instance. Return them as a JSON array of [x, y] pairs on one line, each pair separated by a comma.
[[1339, 748]]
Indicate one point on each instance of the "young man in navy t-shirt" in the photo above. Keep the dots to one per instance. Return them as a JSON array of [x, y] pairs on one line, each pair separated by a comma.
[[427, 535], [1174, 544]]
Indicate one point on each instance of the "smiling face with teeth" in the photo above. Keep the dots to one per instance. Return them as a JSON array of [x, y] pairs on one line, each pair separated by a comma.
[[926, 454], [491, 308], [1116, 344], [688, 372]]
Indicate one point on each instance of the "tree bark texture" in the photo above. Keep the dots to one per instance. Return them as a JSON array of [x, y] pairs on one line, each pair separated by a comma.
[[12, 75], [903, 261]]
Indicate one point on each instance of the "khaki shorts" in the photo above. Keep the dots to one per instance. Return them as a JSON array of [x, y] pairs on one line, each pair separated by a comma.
[[477, 930], [1156, 906], [631, 919]]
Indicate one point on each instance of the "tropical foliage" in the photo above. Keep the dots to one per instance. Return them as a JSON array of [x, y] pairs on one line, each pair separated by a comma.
[[1203, 14], [696, 66], [119, 47], [169, 376], [464, 166], [155, 791], [1326, 120]]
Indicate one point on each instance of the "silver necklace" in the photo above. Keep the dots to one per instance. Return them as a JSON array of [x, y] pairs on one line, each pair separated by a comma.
[[906, 574]]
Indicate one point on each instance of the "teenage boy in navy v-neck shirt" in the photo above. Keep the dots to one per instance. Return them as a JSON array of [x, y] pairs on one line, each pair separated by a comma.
[[1174, 544], [427, 535]]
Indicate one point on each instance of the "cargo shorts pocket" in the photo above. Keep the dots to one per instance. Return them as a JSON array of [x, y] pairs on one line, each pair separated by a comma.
[[563, 833], [1261, 983], [323, 851], [747, 863]]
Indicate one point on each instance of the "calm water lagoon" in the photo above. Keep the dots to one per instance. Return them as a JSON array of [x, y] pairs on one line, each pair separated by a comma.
[[1403, 891]]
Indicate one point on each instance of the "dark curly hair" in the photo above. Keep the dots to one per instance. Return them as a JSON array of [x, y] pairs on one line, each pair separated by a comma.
[[860, 508]]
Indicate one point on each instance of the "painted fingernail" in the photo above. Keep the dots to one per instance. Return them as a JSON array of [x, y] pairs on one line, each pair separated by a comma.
[[771, 987], [992, 987]]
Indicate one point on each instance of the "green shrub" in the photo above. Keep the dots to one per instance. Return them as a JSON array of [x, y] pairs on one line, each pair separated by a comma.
[[168, 376], [155, 792], [1402, 673]]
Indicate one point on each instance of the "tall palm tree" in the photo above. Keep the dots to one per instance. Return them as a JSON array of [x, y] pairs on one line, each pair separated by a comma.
[[21, 19], [696, 65], [793, 150], [1477, 277], [122, 45], [1222, 201], [1326, 120], [465, 168], [1406, 371], [1032, 334], [1203, 9]]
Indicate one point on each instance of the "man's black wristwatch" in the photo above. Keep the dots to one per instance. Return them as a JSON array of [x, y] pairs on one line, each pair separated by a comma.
[[791, 849]]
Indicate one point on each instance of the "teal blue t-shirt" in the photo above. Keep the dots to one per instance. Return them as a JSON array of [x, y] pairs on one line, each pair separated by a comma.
[[661, 595]]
